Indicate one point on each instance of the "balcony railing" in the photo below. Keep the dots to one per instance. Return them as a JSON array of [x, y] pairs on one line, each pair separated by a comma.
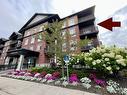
[[88, 30], [86, 18]]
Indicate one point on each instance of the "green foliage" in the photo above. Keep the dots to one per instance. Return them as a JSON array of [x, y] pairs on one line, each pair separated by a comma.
[[105, 59], [80, 73], [42, 69]]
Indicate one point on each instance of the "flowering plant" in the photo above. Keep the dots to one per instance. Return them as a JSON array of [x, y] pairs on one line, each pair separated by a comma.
[[56, 75], [73, 78], [43, 74], [107, 59]]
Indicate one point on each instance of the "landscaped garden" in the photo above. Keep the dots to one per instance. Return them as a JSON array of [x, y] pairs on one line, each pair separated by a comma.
[[101, 71]]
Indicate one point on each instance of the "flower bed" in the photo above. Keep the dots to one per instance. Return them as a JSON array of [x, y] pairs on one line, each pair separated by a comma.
[[90, 84]]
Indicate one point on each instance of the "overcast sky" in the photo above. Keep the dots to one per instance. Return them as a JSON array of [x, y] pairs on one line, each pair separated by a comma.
[[15, 13]]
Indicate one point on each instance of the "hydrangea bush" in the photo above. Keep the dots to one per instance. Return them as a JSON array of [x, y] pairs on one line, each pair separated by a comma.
[[106, 59]]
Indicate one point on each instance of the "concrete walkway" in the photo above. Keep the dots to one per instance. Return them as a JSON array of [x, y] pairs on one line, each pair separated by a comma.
[[10, 86]]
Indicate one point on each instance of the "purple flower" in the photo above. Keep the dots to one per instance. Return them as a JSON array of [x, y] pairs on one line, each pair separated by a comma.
[[73, 78], [100, 82]]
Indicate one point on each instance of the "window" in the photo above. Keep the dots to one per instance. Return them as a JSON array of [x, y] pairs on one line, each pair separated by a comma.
[[73, 45], [39, 38], [72, 31], [32, 39], [71, 21], [64, 24], [26, 42], [31, 48], [38, 47]]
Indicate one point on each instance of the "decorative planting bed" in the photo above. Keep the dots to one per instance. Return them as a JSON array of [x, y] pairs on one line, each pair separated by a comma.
[[90, 83]]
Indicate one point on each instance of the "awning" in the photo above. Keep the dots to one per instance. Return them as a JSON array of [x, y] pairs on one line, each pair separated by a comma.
[[22, 51]]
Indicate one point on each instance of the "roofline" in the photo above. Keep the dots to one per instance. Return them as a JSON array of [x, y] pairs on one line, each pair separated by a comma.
[[92, 7], [38, 22], [33, 18]]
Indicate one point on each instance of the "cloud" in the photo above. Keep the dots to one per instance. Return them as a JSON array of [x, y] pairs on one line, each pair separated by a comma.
[[15, 13]]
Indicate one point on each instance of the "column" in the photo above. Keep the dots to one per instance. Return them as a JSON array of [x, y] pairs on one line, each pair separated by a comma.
[[20, 62]]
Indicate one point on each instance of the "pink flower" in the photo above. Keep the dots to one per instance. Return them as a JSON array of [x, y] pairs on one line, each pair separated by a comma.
[[56, 75], [73, 78], [92, 76], [43, 74], [100, 82]]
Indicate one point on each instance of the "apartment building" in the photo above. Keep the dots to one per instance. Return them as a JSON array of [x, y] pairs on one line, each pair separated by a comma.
[[27, 48], [2, 50]]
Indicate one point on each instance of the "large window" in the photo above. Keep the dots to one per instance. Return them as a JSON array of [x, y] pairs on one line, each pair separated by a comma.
[[71, 21], [72, 31]]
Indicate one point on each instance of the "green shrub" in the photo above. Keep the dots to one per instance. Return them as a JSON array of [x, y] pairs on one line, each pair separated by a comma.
[[107, 60], [80, 73], [41, 69]]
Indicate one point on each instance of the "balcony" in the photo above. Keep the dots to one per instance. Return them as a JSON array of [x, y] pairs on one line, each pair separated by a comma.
[[86, 18], [90, 32]]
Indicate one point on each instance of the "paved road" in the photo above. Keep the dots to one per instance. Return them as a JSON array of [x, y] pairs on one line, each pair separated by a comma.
[[18, 87]]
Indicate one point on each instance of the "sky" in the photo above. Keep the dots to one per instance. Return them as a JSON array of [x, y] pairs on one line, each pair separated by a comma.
[[15, 13]]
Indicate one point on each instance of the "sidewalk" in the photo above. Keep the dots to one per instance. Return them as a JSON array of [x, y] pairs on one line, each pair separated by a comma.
[[18, 87]]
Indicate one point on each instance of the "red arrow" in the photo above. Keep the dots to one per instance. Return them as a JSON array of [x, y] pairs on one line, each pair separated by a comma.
[[109, 24]]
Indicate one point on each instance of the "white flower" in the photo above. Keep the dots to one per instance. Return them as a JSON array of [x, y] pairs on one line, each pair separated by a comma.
[[109, 68], [98, 61], [57, 82], [121, 61], [124, 91], [104, 65], [87, 86], [94, 63], [49, 81], [117, 68], [43, 80], [74, 83], [37, 75], [90, 59], [63, 78], [48, 75], [65, 83], [85, 80], [97, 86], [110, 89], [119, 57], [111, 72], [106, 59]]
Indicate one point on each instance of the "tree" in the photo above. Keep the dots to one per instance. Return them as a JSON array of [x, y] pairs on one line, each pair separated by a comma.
[[55, 39]]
